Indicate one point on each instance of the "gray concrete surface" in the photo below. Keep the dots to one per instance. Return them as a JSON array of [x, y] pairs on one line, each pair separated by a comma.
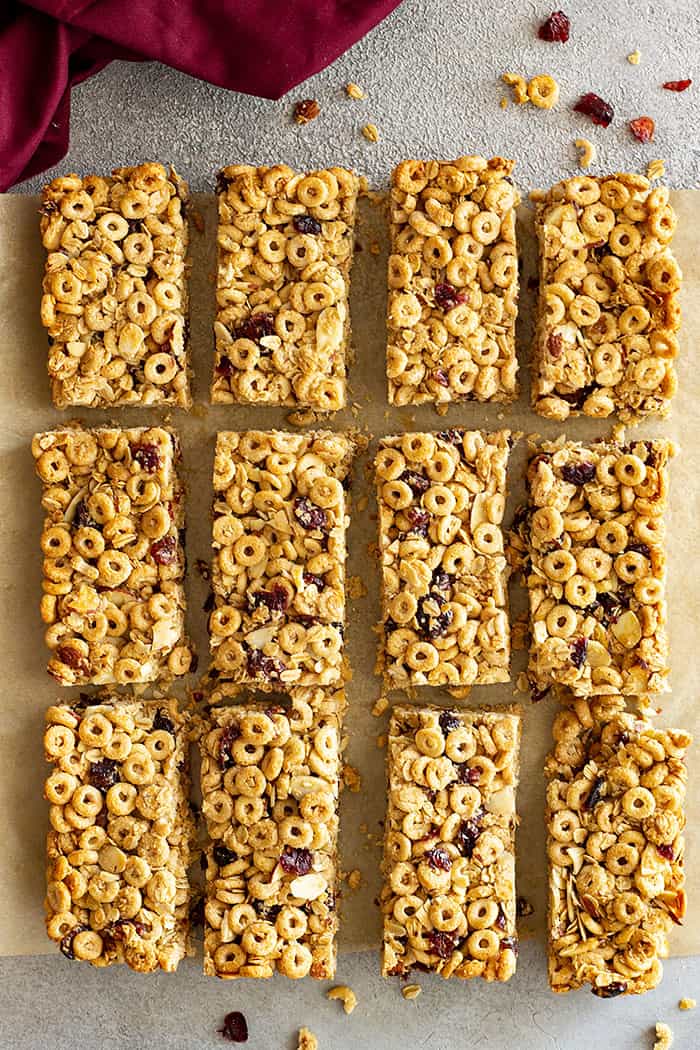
[[431, 75]]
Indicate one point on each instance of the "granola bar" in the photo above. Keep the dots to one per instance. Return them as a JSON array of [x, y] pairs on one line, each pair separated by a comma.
[[113, 569], [115, 288], [453, 282], [285, 251], [121, 832], [270, 785], [278, 572], [592, 541], [615, 819], [448, 899], [444, 573], [608, 304]]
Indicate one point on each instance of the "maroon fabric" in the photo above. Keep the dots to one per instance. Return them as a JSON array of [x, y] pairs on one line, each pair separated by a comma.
[[260, 47]]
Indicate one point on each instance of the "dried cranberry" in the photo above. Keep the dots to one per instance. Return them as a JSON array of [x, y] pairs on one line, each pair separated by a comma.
[[441, 943], [449, 720], [81, 518], [666, 851], [555, 345], [610, 991], [467, 836], [66, 945], [223, 855], [229, 734], [511, 943], [440, 376], [235, 1028], [468, 774], [595, 794], [593, 106], [555, 29], [640, 548], [147, 456], [500, 922], [417, 483], [536, 695], [438, 857], [225, 366], [267, 912], [453, 437], [260, 666], [309, 515], [579, 648], [578, 473], [255, 327], [312, 580], [643, 129], [276, 599], [612, 603], [118, 928], [306, 224], [430, 625], [164, 551], [104, 774], [441, 579], [677, 85], [419, 520], [296, 861], [161, 721], [447, 297]]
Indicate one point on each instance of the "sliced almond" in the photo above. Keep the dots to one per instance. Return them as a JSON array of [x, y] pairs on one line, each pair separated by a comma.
[[627, 630], [308, 887], [479, 510], [597, 655]]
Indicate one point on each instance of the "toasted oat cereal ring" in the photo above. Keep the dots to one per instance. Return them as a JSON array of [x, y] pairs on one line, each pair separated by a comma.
[[134, 204], [295, 961], [621, 859], [481, 914], [649, 591], [561, 621], [624, 239], [229, 958], [580, 591], [638, 803], [488, 538], [547, 523], [160, 368], [59, 788], [291, 923], [483, 944]]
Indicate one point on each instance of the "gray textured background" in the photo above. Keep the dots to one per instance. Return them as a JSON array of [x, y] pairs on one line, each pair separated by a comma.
[[431, 76]]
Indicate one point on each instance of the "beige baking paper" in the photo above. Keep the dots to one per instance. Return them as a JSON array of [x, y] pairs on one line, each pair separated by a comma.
[[27, 690]]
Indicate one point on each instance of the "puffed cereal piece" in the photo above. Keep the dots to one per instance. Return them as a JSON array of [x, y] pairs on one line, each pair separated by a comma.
[[448, 898], [591, 541], [609, 303], [285, 249], [444, 573], [615, 818], [270, 786], [453, 282], [115, 302], [278, 572], [114, 564], [121, 832]]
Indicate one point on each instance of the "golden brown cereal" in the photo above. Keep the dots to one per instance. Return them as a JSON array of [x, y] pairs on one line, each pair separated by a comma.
[[664, 1036], [444, 597], [115, 301], [411, 991], [687, 1004], [591, 546], [543, 91], [634, 58], [121, 832], [608, 305], [615, 818], [354, 91], [346, 996], [656, 169], [519, 85], [113, 569], [380, 706], [453, 282], [588, 152], [307, 1040], [371, 132], [278, 572], [448, 898], [285, 248]]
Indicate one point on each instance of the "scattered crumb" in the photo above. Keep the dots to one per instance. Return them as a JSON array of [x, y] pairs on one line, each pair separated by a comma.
[[202, 568], [664, 1036], [381, 741], [522, 683], [635, 57], [363, 829], [523, 907], [460, 693], [519, 86], [543, 91], [371, 133], [656, 169], [200, 410], [442, 409], [351, 778], [346, 996], [380, 706], [305, 110], [411, 991], [588, 152], [354, 91], [197, 220], [302, 417], [687, 1004], [356, 588], [374, 248], [518, 634], [307, 1040], [504, 105], [355, 879], [362, 503]]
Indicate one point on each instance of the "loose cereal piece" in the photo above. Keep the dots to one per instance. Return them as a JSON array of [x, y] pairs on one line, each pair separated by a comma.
[[278, 572], [664, 1036], [411, 991], [615, 819], [656, 169], [346, 996], [588, 152], [608, 304], [354, 91], [354, 879], [117, 886], [635, 57], [444, 573], [453, 282], [270, 784], [592, 539], [285, 251], [307, 1040], [114, 600], [687, 1004], [305, 110], [115, 288], [543, 91], [449, 863], [380, 706], [519, 86], [371, 132]]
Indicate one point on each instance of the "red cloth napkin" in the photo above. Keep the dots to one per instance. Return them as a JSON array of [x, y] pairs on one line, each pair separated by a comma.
[[260, 47]]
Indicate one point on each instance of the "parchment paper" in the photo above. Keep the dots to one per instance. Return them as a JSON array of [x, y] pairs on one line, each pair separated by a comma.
[[27, 690]]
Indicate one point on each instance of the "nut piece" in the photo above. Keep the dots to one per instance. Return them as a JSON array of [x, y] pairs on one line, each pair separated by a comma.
[[307, 1040], [588, 152], [305, 110], [354, 879], [352, 778], [354, 91], [664, 1036], [370, 132], [380, 706], [411, 991], [346, 996], [519, 85], [687, 1004], [543, 91], [634, 58], [627, 630], [656, 169]]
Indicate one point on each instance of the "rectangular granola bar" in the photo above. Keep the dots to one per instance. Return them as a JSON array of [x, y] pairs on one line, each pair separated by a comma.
[[115, 288], [270, 786], [444, 573], [615, 819], [453, 282], [278, 572], [448, 899], [121, 832], [114, 565], [285, 248], [592, 540], [608, 305]]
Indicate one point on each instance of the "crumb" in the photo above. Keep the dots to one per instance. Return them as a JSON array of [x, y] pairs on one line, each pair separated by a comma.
[[442, 409], [355, 879], [664, 1036], [346, 996], [363, 829], [634, 57], [352, 779], [305, 110], [362, 503], [411, 991], [302, 417], [354, 91], [656, 169], [374, 248], [200, 410], [202, 568], [380, 706], [197, 220], [523, 907], [588, 152], [461, 692], [355, 587], [307, 1040], [381, 741], [687, 1004], [518, 634], [519, 86], [371, 133], [504, 105], [522, 683]]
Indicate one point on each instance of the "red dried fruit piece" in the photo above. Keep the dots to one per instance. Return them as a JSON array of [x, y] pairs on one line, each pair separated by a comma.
[[579, 649], [449, 720], [578, 473], [296, 860], [510, 942], [417, 483], [306, 224], [643, 129], [161, 721], [593, 106], [556, 28], [225, 366], [147, 456], [81, 518], [555, 345], [234, 1028], [666, 850], [441, 943], [440, 376], [419, 520], [467, 836], [309, 515], [305, 110], [276, 599], [256, 326], [104, 774], [164, 551], [229, 735], [266, 667], [447, 297], [453, 437], [73, 658], [595, 794], [677, 85], [312, 580], [438, 858], [66, 945], [223, 855], [610, 991]]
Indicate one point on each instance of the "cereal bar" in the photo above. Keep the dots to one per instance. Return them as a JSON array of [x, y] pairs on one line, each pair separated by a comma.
[[115, 288], [615, 819], [444, 596], [608, 304], [453, 282], [278, 572], [285, 248], [121, 832], [448, 899], [270, 785], [592, 541], [113, 569]]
